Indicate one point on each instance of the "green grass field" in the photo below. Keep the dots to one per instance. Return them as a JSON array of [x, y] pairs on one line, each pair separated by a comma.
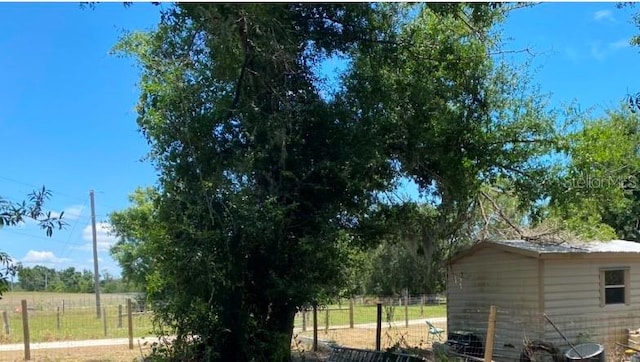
[[51, 319], [367, 314], [50, 301], [68, 316]]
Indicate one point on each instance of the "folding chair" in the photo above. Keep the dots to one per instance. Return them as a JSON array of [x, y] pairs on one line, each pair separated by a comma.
[[434, 331]]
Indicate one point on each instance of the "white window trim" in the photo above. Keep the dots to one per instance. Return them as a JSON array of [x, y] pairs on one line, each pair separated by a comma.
[[626, 286]]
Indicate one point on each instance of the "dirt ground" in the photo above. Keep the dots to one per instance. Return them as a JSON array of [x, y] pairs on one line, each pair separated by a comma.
[[123, 354], [413, 337]]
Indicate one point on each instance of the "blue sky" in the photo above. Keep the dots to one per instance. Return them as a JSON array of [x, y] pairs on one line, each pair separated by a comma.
[[67, 116]]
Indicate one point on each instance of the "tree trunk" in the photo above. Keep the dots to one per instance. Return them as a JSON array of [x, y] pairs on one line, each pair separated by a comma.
[[280, 330], [234, 340]]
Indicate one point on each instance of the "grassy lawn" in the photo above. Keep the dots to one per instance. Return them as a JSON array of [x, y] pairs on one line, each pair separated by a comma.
[[49, 322], [367, 314], [50, 301], [75, 324]]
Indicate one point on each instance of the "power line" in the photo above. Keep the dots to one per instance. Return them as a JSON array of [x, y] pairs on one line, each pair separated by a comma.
[[73, 228], [34, 187], [57, 193], [39, 237]]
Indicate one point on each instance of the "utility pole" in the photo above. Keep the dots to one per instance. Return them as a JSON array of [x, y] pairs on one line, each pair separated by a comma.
[[96, 276]]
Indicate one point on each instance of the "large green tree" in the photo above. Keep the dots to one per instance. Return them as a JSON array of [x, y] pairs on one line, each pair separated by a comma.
[[268, 178], [598, 191], [137, 229]]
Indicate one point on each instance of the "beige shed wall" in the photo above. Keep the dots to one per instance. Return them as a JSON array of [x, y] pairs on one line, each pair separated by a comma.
[[495, 277], [572, 301]]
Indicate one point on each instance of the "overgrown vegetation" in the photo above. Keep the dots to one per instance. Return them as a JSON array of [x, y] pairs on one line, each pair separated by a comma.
[[272, 182]]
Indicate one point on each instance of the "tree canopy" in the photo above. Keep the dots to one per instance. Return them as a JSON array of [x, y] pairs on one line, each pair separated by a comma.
[[269, 176], [598, 188]]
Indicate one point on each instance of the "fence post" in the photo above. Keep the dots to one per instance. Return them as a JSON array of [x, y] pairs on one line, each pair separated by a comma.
[[351, 313], [104, 320], [130, 322], [422, 305], [406, 307], [5, 318], [119, 315], [25, 329], [378, 325], [304, 319], [326, 319], [491, 329], [58, 318], [63, 307], [315, 328]]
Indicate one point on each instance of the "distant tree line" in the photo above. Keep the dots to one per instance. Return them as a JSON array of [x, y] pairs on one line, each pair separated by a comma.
[[39, 278]]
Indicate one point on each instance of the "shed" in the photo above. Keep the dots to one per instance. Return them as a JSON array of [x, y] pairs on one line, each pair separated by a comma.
[[591, 291]]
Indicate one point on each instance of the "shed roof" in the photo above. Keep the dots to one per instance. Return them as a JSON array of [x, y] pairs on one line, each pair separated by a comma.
[[542, 250]]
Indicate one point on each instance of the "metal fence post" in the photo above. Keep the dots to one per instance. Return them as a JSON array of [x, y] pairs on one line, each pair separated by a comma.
[[378, 325]]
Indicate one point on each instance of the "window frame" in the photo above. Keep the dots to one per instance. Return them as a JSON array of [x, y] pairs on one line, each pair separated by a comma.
[[603, 287]]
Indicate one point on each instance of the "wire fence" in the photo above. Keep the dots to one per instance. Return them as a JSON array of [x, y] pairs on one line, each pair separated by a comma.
[[509, 334], [53, 322], [68, 322], [354, 323], [38, 322]]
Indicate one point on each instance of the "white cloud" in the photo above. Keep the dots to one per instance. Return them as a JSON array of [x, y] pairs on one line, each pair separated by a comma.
[[602, 15], [42, 257], [104, 236], [72, 212], [620, 44], [600, 51]]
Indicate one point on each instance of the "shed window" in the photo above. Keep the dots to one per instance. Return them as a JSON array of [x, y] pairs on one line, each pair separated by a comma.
[[614, 286]]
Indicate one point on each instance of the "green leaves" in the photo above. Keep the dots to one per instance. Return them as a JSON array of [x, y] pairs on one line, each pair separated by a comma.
[[13, 213], [267, 187], [599, 188], [450, 115]]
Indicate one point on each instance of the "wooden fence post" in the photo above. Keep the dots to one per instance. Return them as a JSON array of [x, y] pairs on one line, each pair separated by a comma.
[[25, 329], [378, 325], [406, 308], [491, 330], [315, 328], [58, 318], [304, 320], [351, 313], [5, 318], [326, 319], [104, 320], [422, 305], [119, 315], [63, 307], [130, 322]]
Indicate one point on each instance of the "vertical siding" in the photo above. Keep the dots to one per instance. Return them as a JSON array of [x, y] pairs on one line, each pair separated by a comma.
[[572, 301], [507, 280]]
